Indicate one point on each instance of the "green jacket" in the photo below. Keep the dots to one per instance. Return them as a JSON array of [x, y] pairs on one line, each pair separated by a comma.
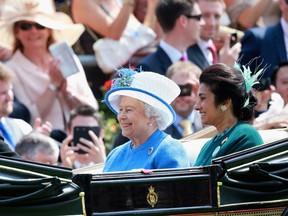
[[241, 136]]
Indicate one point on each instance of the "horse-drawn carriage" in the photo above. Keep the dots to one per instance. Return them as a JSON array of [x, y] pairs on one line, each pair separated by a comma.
[[250, 182]]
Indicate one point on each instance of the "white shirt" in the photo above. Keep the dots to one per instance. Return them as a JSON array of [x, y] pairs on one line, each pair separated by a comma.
[[17, 128], [31, 82], [193, 117], [206, 52], [173, 53]]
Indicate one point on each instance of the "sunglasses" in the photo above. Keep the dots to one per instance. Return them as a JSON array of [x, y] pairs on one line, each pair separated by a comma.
[[196, 17], [28, 26]]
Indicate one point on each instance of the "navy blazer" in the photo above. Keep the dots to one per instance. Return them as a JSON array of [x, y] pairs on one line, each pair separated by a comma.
[[172, 130], [266, 44], [196, 56], [157, 62]]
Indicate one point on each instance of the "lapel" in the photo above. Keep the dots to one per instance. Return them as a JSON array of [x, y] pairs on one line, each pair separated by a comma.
[[196, 56], [163, 60], [278, 36], [172, 130]]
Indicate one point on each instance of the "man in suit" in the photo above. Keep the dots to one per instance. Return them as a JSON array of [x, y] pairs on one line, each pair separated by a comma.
[[185, 74], [266, 46], [180, 21], [204, 53]]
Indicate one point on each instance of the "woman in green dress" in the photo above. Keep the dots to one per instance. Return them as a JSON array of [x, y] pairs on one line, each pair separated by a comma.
[[226, 102]]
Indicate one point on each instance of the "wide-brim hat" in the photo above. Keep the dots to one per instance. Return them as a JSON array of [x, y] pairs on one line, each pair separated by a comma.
[[149, 87], [42, 12]]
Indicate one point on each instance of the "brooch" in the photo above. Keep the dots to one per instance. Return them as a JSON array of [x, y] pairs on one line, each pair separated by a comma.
[[224, 140], [150, 151]]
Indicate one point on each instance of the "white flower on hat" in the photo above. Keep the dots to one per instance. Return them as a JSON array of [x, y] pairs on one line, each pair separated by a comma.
[[154, 89]]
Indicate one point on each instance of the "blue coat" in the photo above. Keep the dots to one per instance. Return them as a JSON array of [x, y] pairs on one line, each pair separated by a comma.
[[267, 43], [160, 151]]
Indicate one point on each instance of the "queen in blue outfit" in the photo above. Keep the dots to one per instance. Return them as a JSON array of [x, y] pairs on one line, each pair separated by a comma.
[[142, 104]]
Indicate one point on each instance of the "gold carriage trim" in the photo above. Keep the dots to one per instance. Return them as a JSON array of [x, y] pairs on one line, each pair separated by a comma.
[[152, 197]]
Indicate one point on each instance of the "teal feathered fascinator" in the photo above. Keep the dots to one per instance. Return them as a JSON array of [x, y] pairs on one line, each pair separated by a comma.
[[249, 77]]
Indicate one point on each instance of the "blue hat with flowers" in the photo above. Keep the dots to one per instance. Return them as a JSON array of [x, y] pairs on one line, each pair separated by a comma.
[[149, 87]]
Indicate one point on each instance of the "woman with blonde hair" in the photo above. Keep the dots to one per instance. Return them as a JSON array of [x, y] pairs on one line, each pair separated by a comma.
[[29, 28]]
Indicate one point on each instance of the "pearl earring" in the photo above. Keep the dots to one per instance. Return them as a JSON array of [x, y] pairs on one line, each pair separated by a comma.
[[150, 124], [223, 108]]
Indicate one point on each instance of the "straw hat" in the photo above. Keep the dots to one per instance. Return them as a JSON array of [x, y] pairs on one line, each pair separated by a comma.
[[40, 11], [149, 87]]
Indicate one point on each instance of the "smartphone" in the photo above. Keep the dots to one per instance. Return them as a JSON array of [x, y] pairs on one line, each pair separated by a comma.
[[233, 39], [186, 90], [70, 64], [82, 132]]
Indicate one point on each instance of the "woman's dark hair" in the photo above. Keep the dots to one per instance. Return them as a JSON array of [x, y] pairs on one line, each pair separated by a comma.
[[228, 83]]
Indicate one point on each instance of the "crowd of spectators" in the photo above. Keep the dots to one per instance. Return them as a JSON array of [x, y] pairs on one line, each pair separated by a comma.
[[187, 42]]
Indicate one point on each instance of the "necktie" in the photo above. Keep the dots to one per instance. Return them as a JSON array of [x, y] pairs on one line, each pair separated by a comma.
[[6, 134], [184, 57], [213, 51], [187, 127]]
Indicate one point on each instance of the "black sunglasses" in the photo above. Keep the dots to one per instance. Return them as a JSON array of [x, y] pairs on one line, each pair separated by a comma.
[[28, 26], [196, 17]]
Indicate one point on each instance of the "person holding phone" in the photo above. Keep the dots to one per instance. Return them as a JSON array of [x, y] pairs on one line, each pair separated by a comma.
[[84, 144], [204, 53], [28, 30]]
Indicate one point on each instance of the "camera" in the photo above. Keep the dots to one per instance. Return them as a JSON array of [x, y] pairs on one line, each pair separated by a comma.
[[186, 90]]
